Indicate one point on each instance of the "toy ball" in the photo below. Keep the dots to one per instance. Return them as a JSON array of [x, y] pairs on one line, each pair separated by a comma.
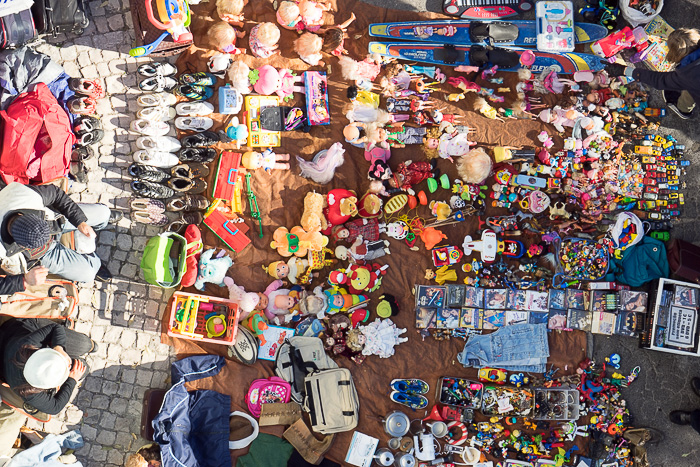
[[216, 325]]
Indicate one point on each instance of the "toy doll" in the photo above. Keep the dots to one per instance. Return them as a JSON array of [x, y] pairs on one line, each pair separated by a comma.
[[409, 174], [411, 104], [369, 229], [398, 135], [292, 270], [238, 74], [485, 109], [268, 160], [362, 250], [223, 36], [263, 40], [314, 303], [442, 275], [231, 11], [321, 169], [560, 117], [380, 338], [475, 166], [447, 141], [282, 302], [440, 209], [358, 278], [288, 15], [336, 338], [312, 14], [365, 71], [309, 47], [339, 300]]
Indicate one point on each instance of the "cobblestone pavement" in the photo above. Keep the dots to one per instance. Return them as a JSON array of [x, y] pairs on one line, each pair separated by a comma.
[[123, 315]]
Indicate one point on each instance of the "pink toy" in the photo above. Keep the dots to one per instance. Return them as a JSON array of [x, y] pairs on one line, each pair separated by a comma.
[[467, 69], [560, 117], [267, 80], [462, 83]]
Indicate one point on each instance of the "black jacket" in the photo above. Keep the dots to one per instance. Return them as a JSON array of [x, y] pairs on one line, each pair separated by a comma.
[[686, 77], [13, 335], [55, 199]]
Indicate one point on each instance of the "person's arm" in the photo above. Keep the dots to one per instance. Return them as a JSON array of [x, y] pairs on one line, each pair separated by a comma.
[[11, 284], [52, 334], [57, 199], [661, 80], [50, 403]]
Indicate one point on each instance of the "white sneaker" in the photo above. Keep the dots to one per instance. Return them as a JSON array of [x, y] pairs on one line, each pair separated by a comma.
[[156, 114], [194, 123], [164, 160], [158, 143], [163, 99], [149, 128], [194, 109]]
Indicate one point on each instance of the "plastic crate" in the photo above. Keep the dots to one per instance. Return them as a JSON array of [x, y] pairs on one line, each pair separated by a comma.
[[468, 399], [199, 333]]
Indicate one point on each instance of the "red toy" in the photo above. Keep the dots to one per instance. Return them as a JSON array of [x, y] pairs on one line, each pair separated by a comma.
[[625, 38], [227, 175], [231, 231], [342, 205], [358, 278]]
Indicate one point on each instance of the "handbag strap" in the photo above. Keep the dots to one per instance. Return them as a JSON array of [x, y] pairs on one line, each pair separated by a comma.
[[243, 443]]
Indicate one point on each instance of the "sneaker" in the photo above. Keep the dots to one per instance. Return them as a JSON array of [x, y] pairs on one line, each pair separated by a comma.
[[415, 402], [148, 128], [679, 417], [194, 92], [156, 114], [92, 137], [151, 190], [87, 87], [186, 218], [197, 124], [161, 159], [200, 140], [78, 171], [148, 173], [671, 100], [156, 69], [82, 153], [190, 170], [695, 385], [151, 218], [204, 155], [115, 216], [158, 143], [94, 347], [158, 84], [147, 204], [103, 275], [194, 109], [188, 203], [86, 124], [201, 78], [410, 386], [82, 106], [157, 99], [193, 186]]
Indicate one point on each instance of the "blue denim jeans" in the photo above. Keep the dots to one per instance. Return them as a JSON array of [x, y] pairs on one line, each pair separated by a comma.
[[519, 347], [70, 264]]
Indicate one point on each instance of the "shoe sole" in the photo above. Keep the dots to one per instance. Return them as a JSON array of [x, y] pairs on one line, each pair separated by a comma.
[[676, 111]]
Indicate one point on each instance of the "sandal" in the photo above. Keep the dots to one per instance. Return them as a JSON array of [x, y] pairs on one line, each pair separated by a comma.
[[82, 106], [88, 87], [152, 218], [92, 137], [156, 69], [147, 204]]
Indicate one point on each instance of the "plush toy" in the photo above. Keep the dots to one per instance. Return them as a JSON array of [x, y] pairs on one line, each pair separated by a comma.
[[237, 132], [247, 301], [219, 64], [363, 250], [321, 169], [312, 219], [194, 246], [263, 40], [387, 306], [282, 302], [475, 166], [341, 205], [238, 75], [212, 269], [338, 300], [440, 209], [368, 229], [370, 205], [267, 80], [292, 270], [297, 241], [223, 36], [359, 278], [268, 160]]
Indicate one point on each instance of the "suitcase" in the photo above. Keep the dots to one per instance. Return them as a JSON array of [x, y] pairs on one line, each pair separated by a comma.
[[684, 259], [59, 16], [17, 29]]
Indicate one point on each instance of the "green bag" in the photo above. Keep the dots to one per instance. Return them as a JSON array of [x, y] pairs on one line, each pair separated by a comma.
[[641, 263], [163, 261]]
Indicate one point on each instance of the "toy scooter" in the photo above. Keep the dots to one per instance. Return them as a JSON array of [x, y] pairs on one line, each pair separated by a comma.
[[175, 18]]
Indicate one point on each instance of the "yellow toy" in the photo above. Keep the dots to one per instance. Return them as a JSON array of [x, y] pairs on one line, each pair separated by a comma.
[[312, 219], [297, 241]]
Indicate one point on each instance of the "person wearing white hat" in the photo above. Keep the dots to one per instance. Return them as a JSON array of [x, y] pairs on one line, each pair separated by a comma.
[[39, 361]]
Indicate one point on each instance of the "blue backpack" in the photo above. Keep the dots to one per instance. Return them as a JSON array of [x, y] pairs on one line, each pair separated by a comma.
[[643, 262]]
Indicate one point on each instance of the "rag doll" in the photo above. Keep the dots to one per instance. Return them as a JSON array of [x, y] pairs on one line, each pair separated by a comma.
[[288, 15], [247, 301], [263, 40], [362, 250], [447, 141], [268, 160], [321, 169], [369, 229], [212, 269], [282, 302], [231, 11], [409, 174], [475, 166], [238, 74], [223, 36], [380, 338]]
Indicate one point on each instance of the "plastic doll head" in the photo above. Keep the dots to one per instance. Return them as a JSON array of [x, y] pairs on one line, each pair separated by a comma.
[[475, 166], [310, 11], [308, 44], [251, 160], [264, 301], [682, 42], [351, 132], [278, 269], [341, 252], [429, 274], [288, 14], [222, 36], [333, 39], [230, 10], [285, 302], [268, 34], [340, 232], [431, 142], [238, 75]]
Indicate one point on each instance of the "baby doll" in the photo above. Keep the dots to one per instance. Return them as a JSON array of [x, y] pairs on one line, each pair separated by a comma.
[[223, 36], [369, 229], [292, 270], [362, 250], [238, 75], [231, 11], [353, 134], [365, 71], [263, 40], [268, 160], [560, 117], [447, 141], [288, 15], [282, 302], [312, 14], [380, 338], [475, 166]]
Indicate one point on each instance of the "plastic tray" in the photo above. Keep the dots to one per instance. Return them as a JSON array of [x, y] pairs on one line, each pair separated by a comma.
[[200, 333], [555, 26], [447, 382], [489, 407], [568, 401]]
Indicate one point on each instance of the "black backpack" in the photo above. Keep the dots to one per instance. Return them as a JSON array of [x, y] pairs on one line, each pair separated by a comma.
[[16, 29], [57, 16]]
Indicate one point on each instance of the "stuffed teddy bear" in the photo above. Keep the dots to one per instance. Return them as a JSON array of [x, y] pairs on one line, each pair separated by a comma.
[[341, 206], [212, 269], [313, 220], [247, 301], [297, 241]]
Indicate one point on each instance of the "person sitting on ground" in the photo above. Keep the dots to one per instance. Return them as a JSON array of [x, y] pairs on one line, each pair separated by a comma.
[[40, 361], [680, 88], [684, 417], [32, 218]]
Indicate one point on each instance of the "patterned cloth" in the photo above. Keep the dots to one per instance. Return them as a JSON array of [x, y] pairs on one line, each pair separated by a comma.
[[256, 47], [368, 231]]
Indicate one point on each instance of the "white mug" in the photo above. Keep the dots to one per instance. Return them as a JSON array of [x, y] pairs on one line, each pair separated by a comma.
[[438, 429]]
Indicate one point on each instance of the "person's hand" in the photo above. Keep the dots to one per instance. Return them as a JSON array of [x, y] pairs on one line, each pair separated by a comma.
[[77, 370], [36, 276], [60, 350], [615, 69], [86, 230]]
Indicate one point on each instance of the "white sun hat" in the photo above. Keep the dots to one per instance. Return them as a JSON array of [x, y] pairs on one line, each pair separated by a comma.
[[46, 369]]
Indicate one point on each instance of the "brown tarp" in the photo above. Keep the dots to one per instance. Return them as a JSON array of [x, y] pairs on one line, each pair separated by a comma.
[[280, 194]]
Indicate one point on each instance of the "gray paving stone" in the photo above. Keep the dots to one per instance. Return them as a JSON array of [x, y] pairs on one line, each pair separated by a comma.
[[118, 406], [107, 422], [115, 457], [128, 338], [97, 454], [93, 383], [109, 388], [88, 432]]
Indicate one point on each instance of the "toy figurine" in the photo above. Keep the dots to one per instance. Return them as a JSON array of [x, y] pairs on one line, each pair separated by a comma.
[[380, 338], [282, 302], [297, 241], [212, 269], [263, 40], [256, 323], [447, 141], [362, 250], [223, 37], [341, 205], [368, 229], [442, 275], [231, 11], [292, 270], [268, 160], [359, 278], [321, 169], [440, 209], [431, 237]]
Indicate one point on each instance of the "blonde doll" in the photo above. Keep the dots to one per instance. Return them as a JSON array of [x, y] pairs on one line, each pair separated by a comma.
[[263, 40], [309, 46], [312, 14], [288, 15], [231, 11], [223, 36]]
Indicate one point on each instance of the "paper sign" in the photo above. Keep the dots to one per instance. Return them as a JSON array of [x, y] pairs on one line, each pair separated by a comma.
[[681, 327], [361, 450]]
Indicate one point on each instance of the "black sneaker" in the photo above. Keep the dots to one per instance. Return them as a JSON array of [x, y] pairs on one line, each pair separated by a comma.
[[188, 203], [115, 216], [103, 274], [671, 100], [90, 137], [148, 173], [203, 155], [86, 124], [82, 153], [78, 171], [151, 190], [679, 417], [200, 140]]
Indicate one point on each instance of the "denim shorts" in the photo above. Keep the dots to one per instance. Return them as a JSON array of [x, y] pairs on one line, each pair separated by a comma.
[[519, 347]]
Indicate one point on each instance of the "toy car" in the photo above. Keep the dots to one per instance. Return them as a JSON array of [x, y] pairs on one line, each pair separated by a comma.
[[492, 375]]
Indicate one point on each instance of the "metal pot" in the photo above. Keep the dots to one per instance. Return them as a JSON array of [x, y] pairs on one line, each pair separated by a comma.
[[384, 457], [396, 424], [405, 460]]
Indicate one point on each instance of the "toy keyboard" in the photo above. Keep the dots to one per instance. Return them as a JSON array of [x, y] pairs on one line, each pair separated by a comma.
[[486, 9]]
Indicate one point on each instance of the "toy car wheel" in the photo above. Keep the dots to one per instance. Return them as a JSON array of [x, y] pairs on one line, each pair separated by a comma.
[[245, 350]]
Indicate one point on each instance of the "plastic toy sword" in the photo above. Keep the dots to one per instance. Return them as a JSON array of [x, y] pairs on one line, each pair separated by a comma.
[[253, 204]]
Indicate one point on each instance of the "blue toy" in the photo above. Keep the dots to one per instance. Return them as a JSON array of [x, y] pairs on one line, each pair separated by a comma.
[[212, 269]]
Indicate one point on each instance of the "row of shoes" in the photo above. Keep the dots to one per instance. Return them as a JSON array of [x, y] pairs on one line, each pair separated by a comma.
[[88, 92], [152, 211], [410, 392], [88, 131], [158, 77]]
